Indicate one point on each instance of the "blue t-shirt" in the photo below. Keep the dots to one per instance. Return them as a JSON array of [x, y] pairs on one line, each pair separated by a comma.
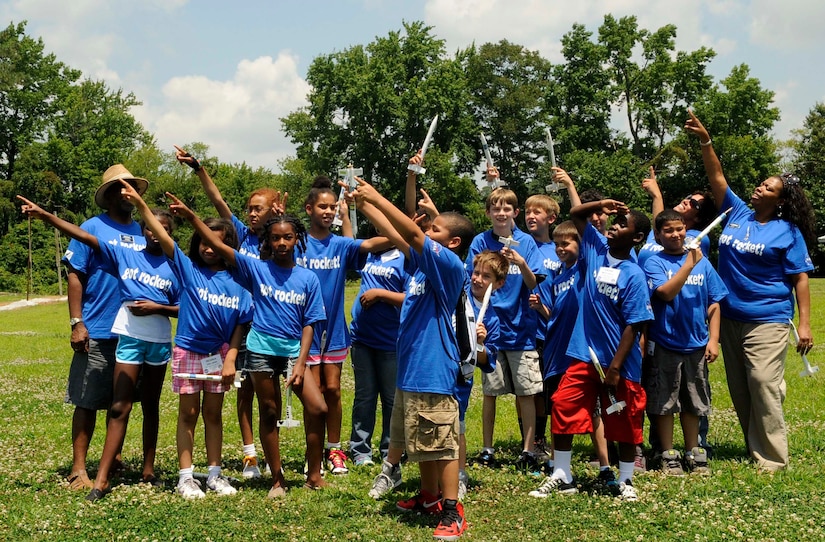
[[681, 324], [286, 299], [613, 297], [248, 241], [211, 305], [755, 261], [377, 326], [427, 346], [463, 388], [550, 266], [141, 276], [101, 297], [561, 295], [512, 301], [329, 259], [651, 247]]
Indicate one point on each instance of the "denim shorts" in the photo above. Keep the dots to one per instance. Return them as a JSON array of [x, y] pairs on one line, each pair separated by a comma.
[[265, 363]]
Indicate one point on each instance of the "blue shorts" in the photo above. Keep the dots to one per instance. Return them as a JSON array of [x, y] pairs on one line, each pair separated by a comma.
[[133, 351], [265, 363]]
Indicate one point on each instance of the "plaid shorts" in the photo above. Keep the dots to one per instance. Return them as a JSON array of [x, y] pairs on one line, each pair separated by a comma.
[[184, 361]]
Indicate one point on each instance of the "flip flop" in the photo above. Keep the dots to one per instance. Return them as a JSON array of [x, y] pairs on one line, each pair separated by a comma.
[[276, 493], [152, 480], [79, 480], [97, 494]]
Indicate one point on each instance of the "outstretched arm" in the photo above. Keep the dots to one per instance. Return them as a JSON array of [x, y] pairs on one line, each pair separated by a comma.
[[72, 230], [713, 167], [208, 184], [167, 244], [208, 236], [409, 232]]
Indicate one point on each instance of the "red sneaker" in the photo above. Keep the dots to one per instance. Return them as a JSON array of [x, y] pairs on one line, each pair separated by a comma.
[[452, 524], [423, 503]]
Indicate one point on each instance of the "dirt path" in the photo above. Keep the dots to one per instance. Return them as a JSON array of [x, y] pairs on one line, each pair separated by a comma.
[[11, 305]]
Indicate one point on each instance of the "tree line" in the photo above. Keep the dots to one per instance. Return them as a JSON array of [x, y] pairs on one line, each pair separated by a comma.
[[371, 105]]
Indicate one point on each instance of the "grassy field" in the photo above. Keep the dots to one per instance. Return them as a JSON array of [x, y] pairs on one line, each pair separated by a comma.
[[35, 455]]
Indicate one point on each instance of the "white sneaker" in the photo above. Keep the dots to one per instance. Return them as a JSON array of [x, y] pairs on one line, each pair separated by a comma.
[[386, 481], [220, 485], [553, 485], [190, 489], [627, 492], [250, 467]]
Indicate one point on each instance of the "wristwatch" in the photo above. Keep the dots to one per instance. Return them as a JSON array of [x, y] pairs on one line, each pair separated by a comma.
[[74, 321]]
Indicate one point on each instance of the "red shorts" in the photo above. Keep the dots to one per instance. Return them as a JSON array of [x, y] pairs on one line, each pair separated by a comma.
[[575, 401]]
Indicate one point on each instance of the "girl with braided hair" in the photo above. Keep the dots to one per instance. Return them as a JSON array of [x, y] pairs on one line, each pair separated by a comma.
[[288, 304]]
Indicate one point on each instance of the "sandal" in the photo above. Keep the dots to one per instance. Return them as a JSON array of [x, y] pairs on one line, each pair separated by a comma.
[[152, 480], [79, 480], [276, 493], [97, 494]]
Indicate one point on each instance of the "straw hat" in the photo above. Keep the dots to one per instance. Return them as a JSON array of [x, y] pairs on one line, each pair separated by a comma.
[[113, 175]]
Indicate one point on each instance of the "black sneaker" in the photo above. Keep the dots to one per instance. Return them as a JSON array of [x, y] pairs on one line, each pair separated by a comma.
[[527, 462], [542, 450], [487, 459], [607, 480]]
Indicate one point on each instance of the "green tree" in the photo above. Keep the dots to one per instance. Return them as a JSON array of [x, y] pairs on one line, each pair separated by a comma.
[[371, 105], [509, 86], [809, 164], [31, 87], [652, 81]]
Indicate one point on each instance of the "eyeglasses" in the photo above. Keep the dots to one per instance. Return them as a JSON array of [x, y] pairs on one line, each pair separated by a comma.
[[788, 179], [257, 209]]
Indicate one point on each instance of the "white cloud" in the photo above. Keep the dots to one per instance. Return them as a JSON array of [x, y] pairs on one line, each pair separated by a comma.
[[791, 25], [539, 25], [237, 118]]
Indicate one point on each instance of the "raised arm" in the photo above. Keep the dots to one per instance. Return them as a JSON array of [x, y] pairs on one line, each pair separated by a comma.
[[409, 188], [580, 213], [651, 186], [167, 244], [208, 184], [713, 167], [208, 236], [408, 230], [561, 176], [72, 230]]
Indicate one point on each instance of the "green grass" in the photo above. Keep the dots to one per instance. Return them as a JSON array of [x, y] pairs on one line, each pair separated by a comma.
[[35, 455]]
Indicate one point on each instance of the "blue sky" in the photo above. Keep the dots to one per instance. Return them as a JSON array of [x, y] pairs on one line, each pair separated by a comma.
[[223, 73]]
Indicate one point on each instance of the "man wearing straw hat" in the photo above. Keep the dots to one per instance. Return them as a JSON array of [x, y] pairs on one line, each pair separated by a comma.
[[93, 303]]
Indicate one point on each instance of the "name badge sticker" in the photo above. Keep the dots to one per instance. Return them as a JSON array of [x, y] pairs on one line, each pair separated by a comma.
[[391, 255], [212, 364], [608, 275]]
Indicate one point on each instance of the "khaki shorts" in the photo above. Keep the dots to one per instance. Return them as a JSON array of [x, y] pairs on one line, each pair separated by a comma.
[[425, 425], [516, 371]]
